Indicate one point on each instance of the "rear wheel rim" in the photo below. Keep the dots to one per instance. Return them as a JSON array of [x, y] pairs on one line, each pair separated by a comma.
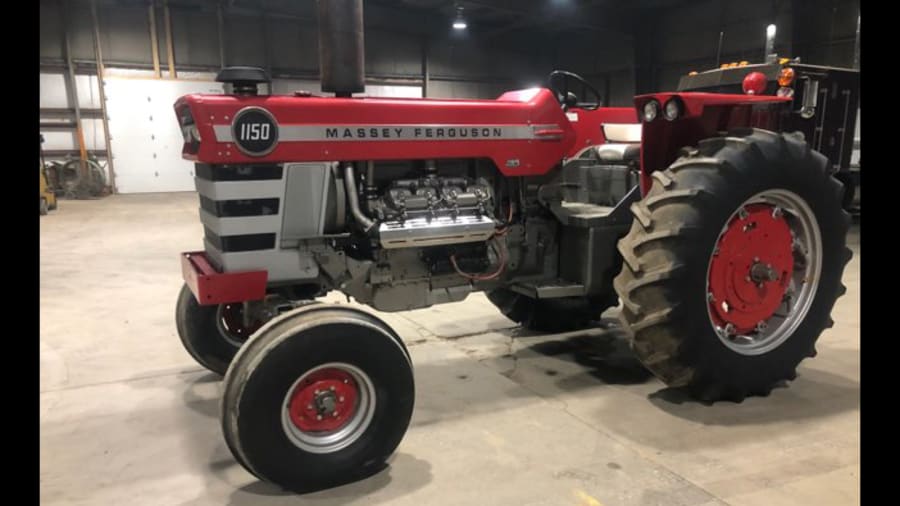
[[764, 272], [328, 408]]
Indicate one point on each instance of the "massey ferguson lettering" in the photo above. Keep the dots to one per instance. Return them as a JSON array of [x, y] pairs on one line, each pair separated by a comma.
[[350, 133], [415, 133]]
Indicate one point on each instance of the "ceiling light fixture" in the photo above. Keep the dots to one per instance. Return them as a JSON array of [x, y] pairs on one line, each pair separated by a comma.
[[459, 23]]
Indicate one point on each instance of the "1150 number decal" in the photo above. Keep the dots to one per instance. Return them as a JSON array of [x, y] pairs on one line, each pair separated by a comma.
[[255, 132]]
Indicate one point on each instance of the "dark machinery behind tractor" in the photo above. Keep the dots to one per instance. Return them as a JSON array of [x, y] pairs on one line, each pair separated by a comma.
[[824, 106], [713, 222]]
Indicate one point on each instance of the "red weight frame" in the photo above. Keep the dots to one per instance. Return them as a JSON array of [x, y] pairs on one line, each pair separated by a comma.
[[211, 287]]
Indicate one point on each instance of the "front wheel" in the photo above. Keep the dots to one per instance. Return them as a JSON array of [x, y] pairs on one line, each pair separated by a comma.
[[319, 397], [733, 264], [212, 335]]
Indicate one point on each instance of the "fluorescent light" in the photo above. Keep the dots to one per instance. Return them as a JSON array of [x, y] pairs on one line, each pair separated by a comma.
[[770, 31], [459, 22]]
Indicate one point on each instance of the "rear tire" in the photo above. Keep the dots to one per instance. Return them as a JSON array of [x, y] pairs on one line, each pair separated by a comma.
[[561, 314], [664, 283], [259, 415]]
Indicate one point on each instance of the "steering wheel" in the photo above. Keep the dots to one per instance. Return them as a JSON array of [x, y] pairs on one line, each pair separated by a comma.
[[558, 82]]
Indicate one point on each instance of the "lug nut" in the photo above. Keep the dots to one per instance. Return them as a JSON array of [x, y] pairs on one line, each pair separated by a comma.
[[727, 331], [341, 399], [318, 417], [334, 414], [331, 388]]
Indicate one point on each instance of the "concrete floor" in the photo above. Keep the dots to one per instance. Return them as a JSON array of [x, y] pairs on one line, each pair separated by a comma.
[[501, 417]]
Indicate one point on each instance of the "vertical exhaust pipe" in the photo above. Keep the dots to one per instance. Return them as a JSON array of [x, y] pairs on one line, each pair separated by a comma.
[[341, 46], [771, 57]]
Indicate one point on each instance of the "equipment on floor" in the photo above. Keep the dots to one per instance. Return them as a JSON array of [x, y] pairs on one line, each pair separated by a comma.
[[65, 177], [48, 196], [721, 234]]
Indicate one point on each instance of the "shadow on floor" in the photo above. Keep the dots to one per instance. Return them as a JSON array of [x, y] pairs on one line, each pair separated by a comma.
[[605, 353], [603, 349], [197, 394], [413, 472], [814, 394]]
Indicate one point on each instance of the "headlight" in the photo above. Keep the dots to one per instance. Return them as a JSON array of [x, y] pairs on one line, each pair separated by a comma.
[[785, 92], [651, 110], [673, 108]]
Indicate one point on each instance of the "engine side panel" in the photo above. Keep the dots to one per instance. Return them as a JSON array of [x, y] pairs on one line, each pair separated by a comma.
[[523, 132]]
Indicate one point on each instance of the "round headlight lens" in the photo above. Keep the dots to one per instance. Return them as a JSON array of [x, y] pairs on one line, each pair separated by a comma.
[[785, 92], [651, 110], [672, 109]]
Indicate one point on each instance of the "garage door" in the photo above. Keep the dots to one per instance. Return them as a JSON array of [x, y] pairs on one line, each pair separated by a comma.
[[146, 141]]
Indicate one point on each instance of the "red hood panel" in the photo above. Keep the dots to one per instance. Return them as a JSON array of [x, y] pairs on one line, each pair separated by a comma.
[[524, 132]]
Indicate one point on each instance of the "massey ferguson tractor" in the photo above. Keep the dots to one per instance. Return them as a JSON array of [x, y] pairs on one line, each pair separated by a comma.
[[719, 232]]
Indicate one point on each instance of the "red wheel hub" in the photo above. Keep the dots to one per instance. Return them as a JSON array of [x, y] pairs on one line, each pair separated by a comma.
[[324, 401], [751, 270]]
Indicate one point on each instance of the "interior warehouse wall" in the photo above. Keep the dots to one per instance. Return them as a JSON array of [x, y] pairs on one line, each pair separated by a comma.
[[686, 38]]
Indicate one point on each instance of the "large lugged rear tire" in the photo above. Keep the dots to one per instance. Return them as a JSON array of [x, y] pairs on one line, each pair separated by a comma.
[[550, 315], [318, 397], [734, 227]]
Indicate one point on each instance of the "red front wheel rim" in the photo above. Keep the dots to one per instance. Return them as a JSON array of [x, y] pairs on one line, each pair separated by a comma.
[[328, 407]]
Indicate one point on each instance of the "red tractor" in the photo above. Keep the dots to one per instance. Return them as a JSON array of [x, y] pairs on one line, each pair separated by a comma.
[[722, 236]]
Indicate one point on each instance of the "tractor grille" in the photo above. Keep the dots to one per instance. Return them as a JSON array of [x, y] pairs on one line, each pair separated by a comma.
[[236, 208], [238, 172], [253, 216]]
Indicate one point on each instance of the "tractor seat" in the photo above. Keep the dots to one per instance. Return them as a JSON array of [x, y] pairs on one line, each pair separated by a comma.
[[623, 143], [618, 153]]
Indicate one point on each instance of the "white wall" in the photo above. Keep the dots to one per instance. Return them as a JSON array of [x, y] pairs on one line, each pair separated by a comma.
[[146, 140]]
